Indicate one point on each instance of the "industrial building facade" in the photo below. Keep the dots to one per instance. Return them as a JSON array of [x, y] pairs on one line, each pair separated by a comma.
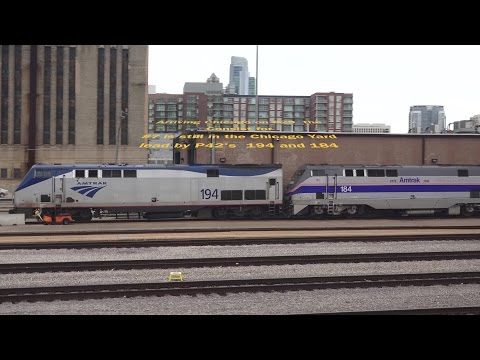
[[71, 104]]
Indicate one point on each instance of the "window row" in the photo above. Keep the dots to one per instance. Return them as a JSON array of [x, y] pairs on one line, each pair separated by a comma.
[[17, 174], [237, 195], [380, 173], [91, 173]]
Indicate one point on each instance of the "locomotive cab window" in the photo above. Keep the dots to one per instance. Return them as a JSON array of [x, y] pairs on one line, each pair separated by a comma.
[[376, 172], [463, 173], [231, 195], [255, 195], [43, 173], [93, 173], [79, 173], [130, 173], [318, 172], [212, 172], [112, 173]]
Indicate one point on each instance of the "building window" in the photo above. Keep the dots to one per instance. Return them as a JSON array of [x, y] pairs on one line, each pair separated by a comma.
[[59, 107], [71, 95], [4, 102], [124, 100], [17, 94], [3, 173], [113, 96], [17, 174], [100, 94], [47, 86]]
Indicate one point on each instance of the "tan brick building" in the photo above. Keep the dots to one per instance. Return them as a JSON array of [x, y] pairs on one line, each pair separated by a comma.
[[71, 104]]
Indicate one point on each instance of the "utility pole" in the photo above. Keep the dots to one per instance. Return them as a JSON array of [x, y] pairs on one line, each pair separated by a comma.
[[122, 116], [256, 88]]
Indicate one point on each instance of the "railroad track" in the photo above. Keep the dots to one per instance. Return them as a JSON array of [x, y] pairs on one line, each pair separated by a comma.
[[122, 218], [466, 310], [221, 241], [83, 228], [232, 262], [223, 287]]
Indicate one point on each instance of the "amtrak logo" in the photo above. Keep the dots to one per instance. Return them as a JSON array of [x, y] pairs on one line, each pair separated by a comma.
[[409, 180], [87, 190]]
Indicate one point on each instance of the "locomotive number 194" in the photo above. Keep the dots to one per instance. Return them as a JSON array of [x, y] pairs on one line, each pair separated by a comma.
[[209, 193]]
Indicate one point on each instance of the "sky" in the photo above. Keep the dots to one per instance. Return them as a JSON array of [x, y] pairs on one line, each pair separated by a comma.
[[385, 80]]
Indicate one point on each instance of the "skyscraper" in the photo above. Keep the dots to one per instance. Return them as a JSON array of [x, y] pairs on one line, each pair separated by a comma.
[[239, 75], [252, 86], [426, 119]]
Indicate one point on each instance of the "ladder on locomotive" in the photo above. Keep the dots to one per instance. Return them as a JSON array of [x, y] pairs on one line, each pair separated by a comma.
[[271, 208], [330, 207], [331, 195]]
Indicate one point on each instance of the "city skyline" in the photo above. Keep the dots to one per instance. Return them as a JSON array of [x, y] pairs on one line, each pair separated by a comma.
[[385, 80]]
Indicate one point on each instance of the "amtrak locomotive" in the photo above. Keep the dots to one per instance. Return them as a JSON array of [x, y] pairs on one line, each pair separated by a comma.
[[407, 190], [252, 191], [217, 191]]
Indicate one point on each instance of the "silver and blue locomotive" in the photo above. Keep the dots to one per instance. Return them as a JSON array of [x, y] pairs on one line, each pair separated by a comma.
[[319, 190], [217, 191]]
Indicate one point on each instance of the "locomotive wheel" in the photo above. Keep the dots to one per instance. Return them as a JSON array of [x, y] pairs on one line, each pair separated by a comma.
[[352, 210], [220, 212], [317, 210], [256, 212], [467, 210]]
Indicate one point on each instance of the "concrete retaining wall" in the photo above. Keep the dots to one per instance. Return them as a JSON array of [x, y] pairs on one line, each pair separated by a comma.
[[12, 219]]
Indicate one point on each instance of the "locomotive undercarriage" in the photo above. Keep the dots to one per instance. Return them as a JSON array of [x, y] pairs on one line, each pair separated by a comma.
[[365, 210]]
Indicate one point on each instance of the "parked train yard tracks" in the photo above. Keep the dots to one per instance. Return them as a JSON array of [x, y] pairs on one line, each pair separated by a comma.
[[174, 237], [233, 261], [224, 287], [58, 241], [251, 263]]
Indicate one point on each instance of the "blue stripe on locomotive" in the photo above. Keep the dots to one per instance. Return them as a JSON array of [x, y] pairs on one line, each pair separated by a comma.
[[30, 180], [387, 188]]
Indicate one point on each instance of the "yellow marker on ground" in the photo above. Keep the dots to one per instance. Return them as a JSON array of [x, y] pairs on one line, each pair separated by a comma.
[[175, 276]]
